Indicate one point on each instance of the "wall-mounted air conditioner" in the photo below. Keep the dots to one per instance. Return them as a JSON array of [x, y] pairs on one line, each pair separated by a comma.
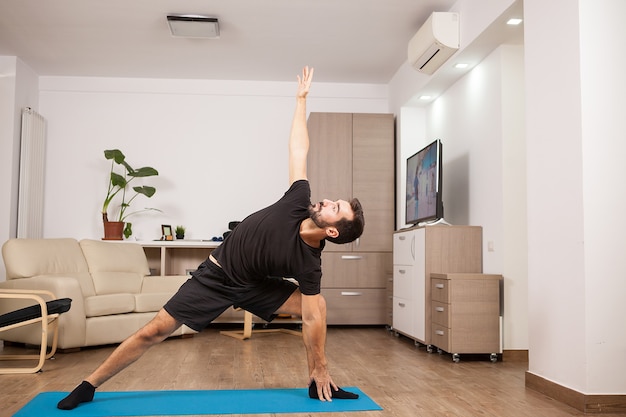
[[435, 42]]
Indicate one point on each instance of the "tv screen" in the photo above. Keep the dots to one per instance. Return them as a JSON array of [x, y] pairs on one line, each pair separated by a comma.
[[423, 184]]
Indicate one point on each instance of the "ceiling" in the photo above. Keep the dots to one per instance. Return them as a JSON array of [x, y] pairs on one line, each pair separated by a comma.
[[351, 41]]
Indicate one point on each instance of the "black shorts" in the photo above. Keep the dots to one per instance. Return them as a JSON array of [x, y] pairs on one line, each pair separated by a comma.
[[209, 292]]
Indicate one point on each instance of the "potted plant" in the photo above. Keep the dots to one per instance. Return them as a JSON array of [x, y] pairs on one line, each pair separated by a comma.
[[118, 183], [180, 232]]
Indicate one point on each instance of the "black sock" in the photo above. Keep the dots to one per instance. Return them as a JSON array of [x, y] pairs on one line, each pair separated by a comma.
[[81, 394], [339, 394]]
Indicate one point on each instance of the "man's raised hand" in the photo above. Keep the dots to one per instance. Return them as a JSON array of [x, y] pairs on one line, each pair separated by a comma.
[[304, 82]]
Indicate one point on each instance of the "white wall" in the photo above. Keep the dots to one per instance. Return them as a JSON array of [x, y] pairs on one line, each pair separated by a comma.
[[478, 120], [603, 100], [220, 147], [568, 159], [467, 118], [513, 248], [18, 89], [576, 199], [410, 138], [8, 223]]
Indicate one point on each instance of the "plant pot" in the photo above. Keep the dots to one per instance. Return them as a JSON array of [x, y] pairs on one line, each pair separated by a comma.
[[180, 237], [113, 230]]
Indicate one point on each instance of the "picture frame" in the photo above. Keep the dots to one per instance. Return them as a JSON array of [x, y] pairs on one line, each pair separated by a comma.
[[166, 232]]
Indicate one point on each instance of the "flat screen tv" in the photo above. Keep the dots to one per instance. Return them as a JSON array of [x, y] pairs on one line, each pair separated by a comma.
[[423, 185]]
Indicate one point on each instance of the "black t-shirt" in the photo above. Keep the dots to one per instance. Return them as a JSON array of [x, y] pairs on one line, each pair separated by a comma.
[[268, 244]]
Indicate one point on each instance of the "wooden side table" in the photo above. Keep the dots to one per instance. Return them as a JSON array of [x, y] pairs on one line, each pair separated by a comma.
[[466, 313]]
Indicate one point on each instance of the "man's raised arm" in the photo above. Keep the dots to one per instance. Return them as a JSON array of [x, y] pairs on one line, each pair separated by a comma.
[[299, 135]]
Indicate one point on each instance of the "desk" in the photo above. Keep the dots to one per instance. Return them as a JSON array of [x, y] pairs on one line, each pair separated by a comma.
[[176, 257]]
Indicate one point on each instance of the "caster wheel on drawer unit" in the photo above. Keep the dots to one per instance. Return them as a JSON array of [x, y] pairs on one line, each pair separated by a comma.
[[430, 348], [493, 357], [456, 357]]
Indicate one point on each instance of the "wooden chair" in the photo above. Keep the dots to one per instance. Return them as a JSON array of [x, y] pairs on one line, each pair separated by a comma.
[[247, 331], [44, 312]]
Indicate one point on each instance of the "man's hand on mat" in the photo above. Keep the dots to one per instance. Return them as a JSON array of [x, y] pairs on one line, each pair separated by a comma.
[[323, 382], [337, 393]]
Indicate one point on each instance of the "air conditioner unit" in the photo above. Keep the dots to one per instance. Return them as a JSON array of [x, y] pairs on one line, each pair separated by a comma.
[[435, 42]]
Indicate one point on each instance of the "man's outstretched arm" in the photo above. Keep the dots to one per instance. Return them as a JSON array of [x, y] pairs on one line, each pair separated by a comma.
[[314, 337], [299, 135]]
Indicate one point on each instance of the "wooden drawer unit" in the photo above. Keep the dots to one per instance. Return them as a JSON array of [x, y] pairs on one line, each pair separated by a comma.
[[355, 305], [465, 313], [404, 316], [354, 285], [403, 281], [440, 313], [417, 252], [356, 269]]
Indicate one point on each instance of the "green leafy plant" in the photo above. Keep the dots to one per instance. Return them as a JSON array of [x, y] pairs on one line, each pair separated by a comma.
[[119, 183], [180, 231]]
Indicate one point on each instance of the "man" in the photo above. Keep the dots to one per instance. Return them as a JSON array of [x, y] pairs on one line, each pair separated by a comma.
[[283, 240]]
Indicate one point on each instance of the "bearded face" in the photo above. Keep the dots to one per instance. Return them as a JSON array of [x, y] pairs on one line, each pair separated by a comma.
[[314, 214]]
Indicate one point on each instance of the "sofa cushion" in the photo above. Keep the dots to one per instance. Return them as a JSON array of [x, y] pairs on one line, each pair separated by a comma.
[[152, 301], [104, 305], [167, 283], [116, 267], [25, 258]]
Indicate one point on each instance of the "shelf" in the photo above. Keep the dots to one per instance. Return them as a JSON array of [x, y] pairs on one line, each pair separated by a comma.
[[176, 257], [180, 243]]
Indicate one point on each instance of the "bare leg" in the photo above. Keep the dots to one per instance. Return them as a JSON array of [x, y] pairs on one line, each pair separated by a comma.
[[157, 330], [293, 305]]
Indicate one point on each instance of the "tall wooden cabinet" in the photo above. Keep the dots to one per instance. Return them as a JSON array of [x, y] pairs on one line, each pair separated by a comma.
[[352, 155], [418, 252]]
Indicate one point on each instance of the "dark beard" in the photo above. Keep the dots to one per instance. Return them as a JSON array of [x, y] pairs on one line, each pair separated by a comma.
[[315, 216]]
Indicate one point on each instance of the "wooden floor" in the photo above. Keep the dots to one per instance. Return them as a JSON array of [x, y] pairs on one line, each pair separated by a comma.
[[403, 379]]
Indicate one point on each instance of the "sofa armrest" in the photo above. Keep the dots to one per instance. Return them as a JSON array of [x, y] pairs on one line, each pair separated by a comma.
[[72, 324], [167, 283], [61, 287]]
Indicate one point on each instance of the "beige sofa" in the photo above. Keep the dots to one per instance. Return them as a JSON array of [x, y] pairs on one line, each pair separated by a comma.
[[112, 292]]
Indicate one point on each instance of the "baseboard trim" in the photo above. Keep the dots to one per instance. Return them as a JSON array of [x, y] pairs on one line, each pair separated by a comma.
[[515, 355], [593, 404]]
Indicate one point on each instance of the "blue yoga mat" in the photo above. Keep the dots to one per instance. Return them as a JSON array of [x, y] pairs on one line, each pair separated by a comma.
[[180, 403]]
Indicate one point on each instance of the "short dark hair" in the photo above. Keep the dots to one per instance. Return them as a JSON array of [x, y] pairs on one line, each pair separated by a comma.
[[350, 230]]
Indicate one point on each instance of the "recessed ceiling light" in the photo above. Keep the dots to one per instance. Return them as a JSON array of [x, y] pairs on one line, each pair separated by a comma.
[[425, 97], [514, 21], [194, 26], [461, 65]]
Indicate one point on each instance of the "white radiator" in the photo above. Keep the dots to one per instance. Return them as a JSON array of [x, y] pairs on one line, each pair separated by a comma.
[[31, 182]]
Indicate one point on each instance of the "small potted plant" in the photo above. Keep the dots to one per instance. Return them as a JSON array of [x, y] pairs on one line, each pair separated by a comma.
[[118, 183], [180, 232]]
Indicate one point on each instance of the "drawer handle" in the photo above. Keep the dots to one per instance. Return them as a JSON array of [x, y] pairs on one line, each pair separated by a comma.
[[439, 332], [402, 271], [401, 304], [440, 309], [351, 293], [351, 257], [401, 237], [440, 286]]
